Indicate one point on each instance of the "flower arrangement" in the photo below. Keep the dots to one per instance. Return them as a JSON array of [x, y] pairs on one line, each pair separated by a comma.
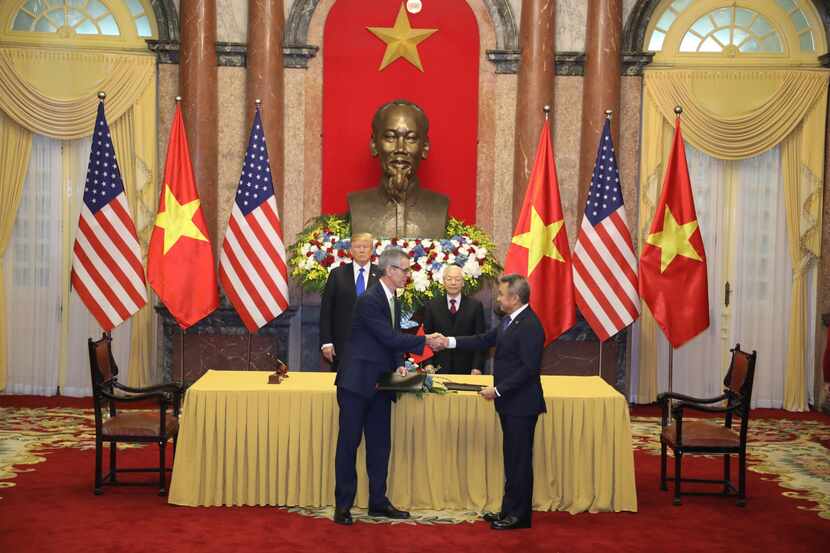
[[430, 384], [324, 245]]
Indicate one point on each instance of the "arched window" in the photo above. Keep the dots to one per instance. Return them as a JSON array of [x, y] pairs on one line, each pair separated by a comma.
[[125, 22], [759, 31]]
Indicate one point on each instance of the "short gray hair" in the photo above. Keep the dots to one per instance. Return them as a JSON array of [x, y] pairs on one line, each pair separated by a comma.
[[389, 256], [517, 284]]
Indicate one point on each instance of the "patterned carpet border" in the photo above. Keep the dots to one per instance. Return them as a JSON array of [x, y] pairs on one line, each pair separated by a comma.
[[788, 451]]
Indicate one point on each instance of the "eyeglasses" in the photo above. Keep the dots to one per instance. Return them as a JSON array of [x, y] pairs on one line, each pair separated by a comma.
[[406, 271]]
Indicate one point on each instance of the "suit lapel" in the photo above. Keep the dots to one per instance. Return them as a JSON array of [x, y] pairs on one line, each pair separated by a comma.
[[350, 283], [374, 275]]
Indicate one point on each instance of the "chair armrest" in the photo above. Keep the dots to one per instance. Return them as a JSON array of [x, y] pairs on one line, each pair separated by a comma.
[[162, 398], [172, 388], [663, 397], [677, 410]]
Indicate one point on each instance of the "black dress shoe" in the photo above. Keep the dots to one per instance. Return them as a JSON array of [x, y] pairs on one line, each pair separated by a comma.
[[343, 516], [510, 522], [389, 511], [491, 517]]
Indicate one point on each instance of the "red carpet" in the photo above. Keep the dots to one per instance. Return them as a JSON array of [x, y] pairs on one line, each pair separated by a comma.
[[52, 508]]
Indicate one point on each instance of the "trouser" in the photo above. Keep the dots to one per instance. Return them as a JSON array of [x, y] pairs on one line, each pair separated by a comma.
[[358, 416], [517, 448]]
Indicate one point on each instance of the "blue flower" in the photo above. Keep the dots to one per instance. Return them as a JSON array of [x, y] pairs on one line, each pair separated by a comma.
[[319, 255]]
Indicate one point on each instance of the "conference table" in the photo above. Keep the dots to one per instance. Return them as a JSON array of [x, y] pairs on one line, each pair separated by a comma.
[[243, 441]]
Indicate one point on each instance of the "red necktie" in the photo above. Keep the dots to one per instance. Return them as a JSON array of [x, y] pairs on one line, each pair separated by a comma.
[[452, 307]]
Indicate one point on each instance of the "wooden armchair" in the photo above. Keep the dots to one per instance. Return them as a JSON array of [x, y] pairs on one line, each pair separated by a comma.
[[710, 437], [129, 426]]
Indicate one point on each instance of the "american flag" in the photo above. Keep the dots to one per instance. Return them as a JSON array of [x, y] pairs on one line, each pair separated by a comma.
[[604, 264], [252, 265], [106, 263]]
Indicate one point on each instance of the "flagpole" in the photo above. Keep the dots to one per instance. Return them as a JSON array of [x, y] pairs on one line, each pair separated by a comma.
[[181, 356], [677, 111], [608, 113], [671, 366], [250, 339], [546, 109]]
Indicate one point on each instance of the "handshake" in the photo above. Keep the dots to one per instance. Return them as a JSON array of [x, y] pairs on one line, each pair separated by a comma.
[[437, 341]]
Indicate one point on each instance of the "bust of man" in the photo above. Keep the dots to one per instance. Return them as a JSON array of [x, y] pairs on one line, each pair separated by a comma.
[[398, 206]]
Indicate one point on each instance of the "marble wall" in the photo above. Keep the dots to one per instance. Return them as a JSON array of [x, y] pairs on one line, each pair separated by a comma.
[[232, 20], [301, 196]]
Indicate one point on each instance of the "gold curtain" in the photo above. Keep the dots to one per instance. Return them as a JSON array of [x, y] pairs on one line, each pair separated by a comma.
[[737, 114], [15, 149], [54, 93]]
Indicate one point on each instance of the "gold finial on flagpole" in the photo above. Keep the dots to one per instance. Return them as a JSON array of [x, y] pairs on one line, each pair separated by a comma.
[[178, 99], [608, 113], [546, 109], [678, 110], [258, 102], [102, 95]]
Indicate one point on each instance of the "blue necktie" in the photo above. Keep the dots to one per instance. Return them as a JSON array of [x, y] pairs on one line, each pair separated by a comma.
[[505, 322], [360, 285]]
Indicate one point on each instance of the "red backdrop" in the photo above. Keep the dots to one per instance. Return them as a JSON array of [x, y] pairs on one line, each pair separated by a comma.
[[447, 90]]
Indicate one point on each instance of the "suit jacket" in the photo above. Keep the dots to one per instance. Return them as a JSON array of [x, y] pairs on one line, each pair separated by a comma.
[[376, 346], [468, 320], [516, 364], [337, 305]]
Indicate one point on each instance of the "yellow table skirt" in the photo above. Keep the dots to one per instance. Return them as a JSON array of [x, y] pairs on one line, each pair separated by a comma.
[[245, 442]]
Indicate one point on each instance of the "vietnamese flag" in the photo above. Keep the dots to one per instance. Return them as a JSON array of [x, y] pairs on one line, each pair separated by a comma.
[[539, 248], [426, 354], [180, 266], [673, 262]]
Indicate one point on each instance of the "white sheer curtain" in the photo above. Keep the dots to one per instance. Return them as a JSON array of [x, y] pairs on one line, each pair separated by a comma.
[[764, 280], [49, 325], [760, 276], [34, 277]]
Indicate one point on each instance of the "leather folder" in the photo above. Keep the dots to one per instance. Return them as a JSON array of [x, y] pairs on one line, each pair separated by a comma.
[[462, 386], [393, 382]]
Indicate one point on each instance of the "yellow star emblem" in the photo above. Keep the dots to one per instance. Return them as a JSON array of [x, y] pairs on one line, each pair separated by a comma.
[[673, 240], [177, 220], [401, 40], [539, 240]]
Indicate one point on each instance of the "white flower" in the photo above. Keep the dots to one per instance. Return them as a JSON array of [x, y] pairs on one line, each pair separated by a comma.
[[472, 268], [309, 263], [420, 281]]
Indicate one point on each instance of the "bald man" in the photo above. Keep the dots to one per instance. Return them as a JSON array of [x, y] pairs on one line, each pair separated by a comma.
[[454, 314]]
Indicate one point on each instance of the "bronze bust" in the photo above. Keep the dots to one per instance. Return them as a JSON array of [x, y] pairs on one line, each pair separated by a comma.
[[398, 206]]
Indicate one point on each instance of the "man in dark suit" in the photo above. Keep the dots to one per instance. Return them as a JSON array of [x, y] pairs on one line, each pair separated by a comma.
[[454, 314], [376, 347], [344, 285], [517, 393]]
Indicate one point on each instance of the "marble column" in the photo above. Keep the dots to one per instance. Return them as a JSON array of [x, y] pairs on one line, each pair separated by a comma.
[[601, 85], [198, 88], [265, 81], [535, 89]]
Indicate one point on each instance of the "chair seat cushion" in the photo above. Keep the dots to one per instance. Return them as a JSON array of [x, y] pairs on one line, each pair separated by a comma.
[[701, 434], [139, 424]]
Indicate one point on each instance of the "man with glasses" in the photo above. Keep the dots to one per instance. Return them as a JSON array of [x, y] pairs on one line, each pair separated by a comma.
[[376, 347]]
